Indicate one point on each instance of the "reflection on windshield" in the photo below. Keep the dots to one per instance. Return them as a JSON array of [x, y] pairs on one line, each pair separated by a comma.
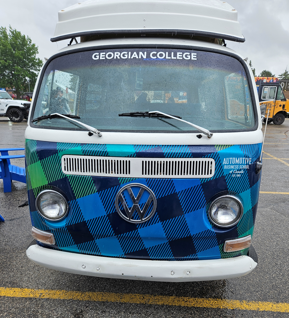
[[205, 88]]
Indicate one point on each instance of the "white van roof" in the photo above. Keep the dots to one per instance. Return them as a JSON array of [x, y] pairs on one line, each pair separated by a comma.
[[211, 18]]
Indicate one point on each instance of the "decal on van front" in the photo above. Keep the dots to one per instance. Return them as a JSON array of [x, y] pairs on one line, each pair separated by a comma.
[[124, 55], [178, 229]]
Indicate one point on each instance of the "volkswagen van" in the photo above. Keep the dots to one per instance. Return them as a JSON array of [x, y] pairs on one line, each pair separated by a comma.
[[143, 146]]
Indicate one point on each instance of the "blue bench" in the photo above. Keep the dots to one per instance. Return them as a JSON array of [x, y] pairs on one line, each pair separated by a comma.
[[9, 172]]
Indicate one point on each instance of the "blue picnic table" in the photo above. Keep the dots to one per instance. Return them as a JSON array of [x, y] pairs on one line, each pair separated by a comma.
[[9, 172]]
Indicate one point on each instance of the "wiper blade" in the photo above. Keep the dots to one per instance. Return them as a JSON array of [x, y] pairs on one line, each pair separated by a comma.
[[54, 116], [158, 114], [149, 114], [91, 130], [201, 129]]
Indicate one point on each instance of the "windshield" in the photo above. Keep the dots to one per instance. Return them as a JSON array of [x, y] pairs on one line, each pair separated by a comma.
[[204, 88], [5, 95]]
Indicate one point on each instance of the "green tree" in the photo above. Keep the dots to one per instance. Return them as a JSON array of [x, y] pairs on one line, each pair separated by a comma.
[[266, 73], [253, 69], [284, 75], [19, 65]]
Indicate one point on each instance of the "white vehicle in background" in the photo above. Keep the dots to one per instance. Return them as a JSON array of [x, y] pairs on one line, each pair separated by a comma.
[[16, 110]]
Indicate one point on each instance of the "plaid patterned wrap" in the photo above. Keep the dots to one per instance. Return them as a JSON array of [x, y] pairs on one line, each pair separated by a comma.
[[180, 228]]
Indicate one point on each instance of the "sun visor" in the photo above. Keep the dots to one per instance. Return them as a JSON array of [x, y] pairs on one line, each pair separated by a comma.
[[210, 18]]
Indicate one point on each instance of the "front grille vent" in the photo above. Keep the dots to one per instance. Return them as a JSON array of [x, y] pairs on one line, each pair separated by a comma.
[[85, 165], [138, 167], [196, 167]]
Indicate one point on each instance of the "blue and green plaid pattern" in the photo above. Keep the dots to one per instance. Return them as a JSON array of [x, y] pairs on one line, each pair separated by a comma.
[[180, 228]]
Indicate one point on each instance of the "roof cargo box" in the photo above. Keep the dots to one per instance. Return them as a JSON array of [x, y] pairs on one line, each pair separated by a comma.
[[209, 18]]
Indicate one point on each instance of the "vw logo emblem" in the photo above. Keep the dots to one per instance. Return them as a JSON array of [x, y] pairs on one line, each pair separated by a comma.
[[135, 203]]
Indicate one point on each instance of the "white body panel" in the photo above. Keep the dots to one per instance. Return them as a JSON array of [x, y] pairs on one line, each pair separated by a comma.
[[117, 138], [198, 17], [164, 271]]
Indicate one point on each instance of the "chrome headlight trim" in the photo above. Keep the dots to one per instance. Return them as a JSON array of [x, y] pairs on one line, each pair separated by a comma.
[[40, 210], [237, 219]]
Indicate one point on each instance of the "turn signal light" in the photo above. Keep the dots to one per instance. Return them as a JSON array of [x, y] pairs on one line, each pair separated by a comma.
[[238, 244], [43, 237]]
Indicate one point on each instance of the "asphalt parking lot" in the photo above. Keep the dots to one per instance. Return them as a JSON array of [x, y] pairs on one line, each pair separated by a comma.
[[28, 290]]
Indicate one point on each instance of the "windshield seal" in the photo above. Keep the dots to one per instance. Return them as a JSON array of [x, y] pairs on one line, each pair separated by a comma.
[[151, 46]]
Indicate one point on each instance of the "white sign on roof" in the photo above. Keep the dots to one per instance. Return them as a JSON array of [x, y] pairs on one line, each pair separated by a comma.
[[212, 18]]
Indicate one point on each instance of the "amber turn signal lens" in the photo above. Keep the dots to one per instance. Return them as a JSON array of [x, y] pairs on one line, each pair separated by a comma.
[[43, 237], [238, 244]]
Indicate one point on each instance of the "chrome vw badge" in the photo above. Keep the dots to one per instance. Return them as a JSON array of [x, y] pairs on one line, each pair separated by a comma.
[[135, 203]]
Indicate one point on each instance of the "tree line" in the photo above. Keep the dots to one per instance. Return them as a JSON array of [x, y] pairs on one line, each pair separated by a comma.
[[19, 66], [265, 73]]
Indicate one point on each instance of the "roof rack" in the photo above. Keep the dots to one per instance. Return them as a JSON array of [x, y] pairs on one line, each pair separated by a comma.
[[175, 18]]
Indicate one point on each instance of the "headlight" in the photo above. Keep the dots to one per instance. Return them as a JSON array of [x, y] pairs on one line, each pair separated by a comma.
[[226, 211], [51, 205]]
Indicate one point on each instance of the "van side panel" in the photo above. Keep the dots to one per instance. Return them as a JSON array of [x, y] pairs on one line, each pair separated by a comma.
[[179, 230]]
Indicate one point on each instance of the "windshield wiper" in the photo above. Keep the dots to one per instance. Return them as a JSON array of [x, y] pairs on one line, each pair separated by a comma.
[[158, 114], [91, 130], [201, 129], [54, 116], [148, 114]]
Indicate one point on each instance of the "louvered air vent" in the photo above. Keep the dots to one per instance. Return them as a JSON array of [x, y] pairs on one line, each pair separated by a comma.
[[201, 168], [93, 166], [138, 167]]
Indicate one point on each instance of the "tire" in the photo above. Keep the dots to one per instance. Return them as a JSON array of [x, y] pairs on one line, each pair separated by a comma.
[[15, 115], [279, 119], [269, 121], [252, 253]]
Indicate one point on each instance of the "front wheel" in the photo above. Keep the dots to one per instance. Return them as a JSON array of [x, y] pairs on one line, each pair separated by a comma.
[[15, 115], [279, 119]]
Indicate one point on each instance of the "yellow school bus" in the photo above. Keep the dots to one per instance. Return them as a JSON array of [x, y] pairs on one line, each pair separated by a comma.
[[273, 102]]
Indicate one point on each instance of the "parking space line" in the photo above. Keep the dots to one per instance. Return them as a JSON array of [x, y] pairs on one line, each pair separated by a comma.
[[268, 192], [145, 299], [285, 163], [274, 158]]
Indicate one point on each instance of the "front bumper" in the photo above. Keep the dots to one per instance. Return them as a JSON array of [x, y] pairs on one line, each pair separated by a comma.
[[164, 271]]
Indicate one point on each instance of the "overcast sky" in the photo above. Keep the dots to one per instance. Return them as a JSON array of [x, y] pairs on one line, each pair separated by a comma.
[[264, 23]]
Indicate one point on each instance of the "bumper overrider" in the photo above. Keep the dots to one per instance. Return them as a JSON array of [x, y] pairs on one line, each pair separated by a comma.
[[149, 270]]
